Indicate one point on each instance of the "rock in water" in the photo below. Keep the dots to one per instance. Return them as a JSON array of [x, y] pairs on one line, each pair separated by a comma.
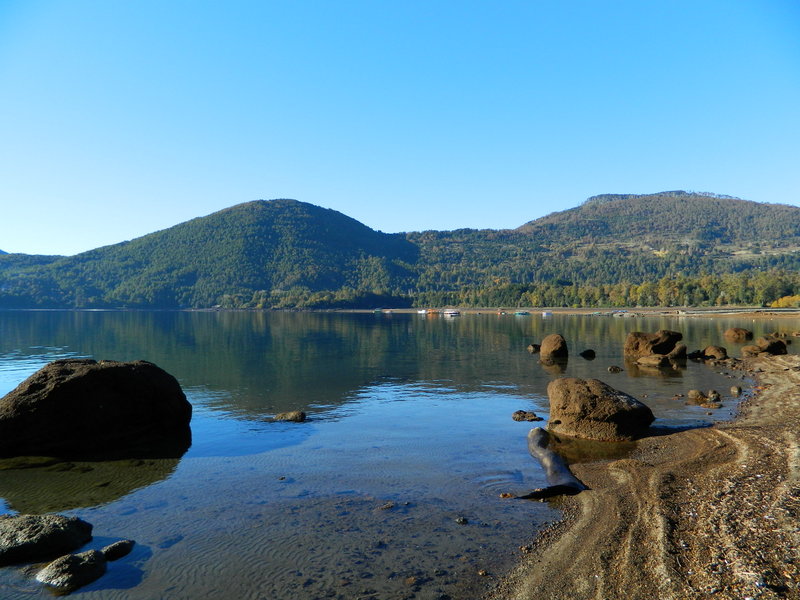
[[639, 344], [738, 334], [554, 347], [593, 410], [29, 538], [68, 573], [297, 416], [84, 407], [771, 345]]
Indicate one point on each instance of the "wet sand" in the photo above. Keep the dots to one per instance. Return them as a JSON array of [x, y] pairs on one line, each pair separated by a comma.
[[703, 513]]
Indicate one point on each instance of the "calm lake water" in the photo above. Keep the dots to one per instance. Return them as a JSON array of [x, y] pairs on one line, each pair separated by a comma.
[[409, 434]]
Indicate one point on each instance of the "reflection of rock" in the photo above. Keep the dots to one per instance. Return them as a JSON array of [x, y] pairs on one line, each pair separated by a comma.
[[29, 538], [68, 573], [638, 343], [653, 361], [554, 347], [591, 409], [534, 348], [554, 367], [82, 407], [575, 450], [42, 486]]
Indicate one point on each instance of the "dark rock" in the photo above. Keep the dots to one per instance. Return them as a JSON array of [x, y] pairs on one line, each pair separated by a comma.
[[716, 352], [29, 538], [588, 354], [771, 345], [591, 409], [639, 344], [118, 549], [554, 347], [695, 355], [524, 415], [534, 348], [298, 416], [679, 352], [83, 407], [72, 571], [738, 334]]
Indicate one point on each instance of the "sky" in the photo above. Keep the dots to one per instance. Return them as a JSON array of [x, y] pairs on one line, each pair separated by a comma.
[[120, 118]]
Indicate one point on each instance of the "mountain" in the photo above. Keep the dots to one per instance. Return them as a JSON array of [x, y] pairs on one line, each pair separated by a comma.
[[261, 248], [671, 247]]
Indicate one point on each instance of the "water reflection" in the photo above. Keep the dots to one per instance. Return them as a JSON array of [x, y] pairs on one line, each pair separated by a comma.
[[36, 485]]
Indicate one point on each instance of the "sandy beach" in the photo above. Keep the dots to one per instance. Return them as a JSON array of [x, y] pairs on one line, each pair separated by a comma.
[[703, 513]]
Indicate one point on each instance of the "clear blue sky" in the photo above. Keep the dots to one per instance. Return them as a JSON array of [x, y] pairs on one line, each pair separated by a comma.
[[119, 118]]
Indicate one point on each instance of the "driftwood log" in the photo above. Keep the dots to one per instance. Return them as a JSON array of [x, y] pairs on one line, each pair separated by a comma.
[[560, 479]]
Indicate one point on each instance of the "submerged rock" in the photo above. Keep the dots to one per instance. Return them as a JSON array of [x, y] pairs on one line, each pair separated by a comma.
[[591, 409], [84, 407], [297, 416], [738, 334], [68, 573], [524, 415], [29, 538], [118, 549]]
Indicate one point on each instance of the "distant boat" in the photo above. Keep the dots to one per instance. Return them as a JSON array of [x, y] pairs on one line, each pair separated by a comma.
[[451, 313], [547, 313], [422, 311], [522, 313]]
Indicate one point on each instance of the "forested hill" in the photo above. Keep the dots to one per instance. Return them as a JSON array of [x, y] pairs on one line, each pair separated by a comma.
[[622, 250], [253, 253], [676, 218]]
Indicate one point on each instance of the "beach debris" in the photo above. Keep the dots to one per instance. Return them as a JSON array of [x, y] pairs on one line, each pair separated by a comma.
[[560, 479], [462, 520], [592, 409], [534, 348], [615, 369]]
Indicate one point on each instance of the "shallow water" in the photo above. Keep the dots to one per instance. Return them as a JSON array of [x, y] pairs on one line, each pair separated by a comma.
[[390, 489]]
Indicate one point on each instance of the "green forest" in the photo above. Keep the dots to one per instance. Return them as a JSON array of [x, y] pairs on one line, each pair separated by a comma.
[[667, 249]]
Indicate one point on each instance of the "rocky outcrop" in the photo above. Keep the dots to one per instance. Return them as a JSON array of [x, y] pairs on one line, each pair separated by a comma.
[[554, 347], [84, 407], [525, 415], [69, 572], [679, 352], [591, 409], [29, 538], [638, 343], [738, 334]]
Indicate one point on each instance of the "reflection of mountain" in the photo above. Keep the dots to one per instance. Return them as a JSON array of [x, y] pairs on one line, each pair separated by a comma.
[[58, 486], [255, 364]]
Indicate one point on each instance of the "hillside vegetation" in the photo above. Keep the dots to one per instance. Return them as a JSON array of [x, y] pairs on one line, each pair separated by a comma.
[[672, 248]]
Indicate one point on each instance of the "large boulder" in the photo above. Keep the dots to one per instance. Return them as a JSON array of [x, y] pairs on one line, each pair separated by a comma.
[[638, 343], [554, 347], [591, 409], [83, 407], [738, 334], [31, 538]]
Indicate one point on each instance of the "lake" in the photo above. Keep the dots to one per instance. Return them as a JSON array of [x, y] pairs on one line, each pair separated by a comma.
[[392, 487]]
